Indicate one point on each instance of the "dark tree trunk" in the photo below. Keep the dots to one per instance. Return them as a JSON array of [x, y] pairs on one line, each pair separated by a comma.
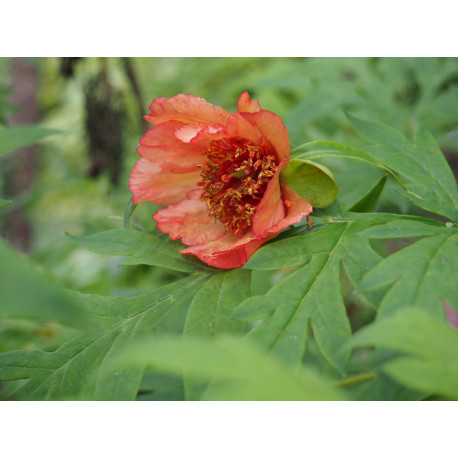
[[24, 79]]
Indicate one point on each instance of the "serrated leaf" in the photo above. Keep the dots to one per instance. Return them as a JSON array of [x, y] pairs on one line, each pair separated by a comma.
[[210, 313], [72, 369], [238, 369], [16, 137], [432, 344], [313, 182], [140, 248], [423, 273], [311, 294], [421, 163]]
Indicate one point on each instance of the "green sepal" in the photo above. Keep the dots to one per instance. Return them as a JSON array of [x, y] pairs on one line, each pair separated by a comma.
[[313, 182]]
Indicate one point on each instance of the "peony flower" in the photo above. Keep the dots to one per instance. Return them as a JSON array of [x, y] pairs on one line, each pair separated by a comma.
[[218, 175]]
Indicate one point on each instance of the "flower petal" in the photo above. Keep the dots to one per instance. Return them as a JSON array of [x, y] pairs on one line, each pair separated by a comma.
[[296, 210], [188, 131], [229, 252], [272, 129], [185, 108], [150, 183], [189, 220], [270, 210], [160, 145], [236, 126], [247, 105]]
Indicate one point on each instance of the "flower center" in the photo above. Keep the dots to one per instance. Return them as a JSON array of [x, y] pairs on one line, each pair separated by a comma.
[[234, 180]]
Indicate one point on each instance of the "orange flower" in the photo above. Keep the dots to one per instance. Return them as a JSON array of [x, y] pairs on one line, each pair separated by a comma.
[[218, 175]]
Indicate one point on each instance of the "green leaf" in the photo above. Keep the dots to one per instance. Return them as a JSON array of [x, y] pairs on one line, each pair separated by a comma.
[[210, 313], [312, 293], [383, 388], [421, 163], [73, 369], [17, 137], [378, 133], [28, 293], [128, 211], [4, 203], [212, 307], [237, 368], [403, 228], [368, 202], [432, 346], [423, 274], [140, 248], [321, 149], [313, 182]]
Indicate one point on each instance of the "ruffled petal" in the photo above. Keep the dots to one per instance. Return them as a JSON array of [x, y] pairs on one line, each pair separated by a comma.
[[160, 145], [186, 108], [188, 131], [245, 104], [297, 208], [150, 183], [189, 220], [271, 209], [272, 129], [236, 126], [229, 252]]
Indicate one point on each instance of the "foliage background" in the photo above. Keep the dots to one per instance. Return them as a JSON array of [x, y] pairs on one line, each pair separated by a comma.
[[311, 95]]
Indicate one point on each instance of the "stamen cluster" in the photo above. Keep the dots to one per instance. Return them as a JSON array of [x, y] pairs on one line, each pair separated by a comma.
[[234, 180]]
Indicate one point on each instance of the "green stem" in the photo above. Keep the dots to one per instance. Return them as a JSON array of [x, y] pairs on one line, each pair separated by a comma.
[[350, 381]]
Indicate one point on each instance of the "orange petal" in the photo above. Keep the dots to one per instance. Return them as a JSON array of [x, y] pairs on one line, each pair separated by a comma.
[[160, 145], [150, 183], [272, 129], [189, 220], [236, 126], [188, 131], [229, 252], [270, 210], [297, 209], [185, 108], [246, 105]]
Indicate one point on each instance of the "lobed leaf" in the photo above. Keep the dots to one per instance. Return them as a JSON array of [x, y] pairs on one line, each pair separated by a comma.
[[210, 313], [140, 248], [432, 345], [73, 369], [238, 369], [322, 149], [422, 274], [421, 162], [311, 295]]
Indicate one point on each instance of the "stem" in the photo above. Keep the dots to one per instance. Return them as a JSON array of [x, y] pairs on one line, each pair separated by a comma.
[[350, 381]]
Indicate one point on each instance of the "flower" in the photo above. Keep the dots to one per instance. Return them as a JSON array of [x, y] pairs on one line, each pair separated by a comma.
[[218, 175]]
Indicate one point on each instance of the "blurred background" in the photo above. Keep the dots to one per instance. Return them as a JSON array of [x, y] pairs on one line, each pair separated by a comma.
[[76, 181]]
